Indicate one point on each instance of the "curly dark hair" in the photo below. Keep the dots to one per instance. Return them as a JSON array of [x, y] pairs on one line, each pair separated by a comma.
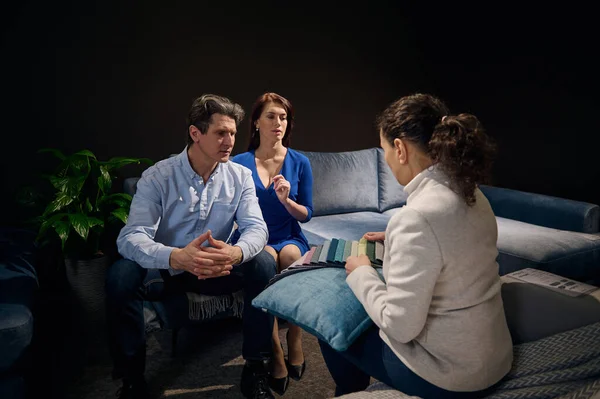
[[457, 143], [257, 110]]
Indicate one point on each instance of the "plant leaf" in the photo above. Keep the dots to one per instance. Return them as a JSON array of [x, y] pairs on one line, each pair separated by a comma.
[[121, 199], [119, 162], [62, 229], [48, 223], [104, 179], [121, 214], [88, 205], [92, 221], [58, 182], [60, 202], [75, 165], [69, 185], [147, 161], [80, 224], [86, 153]]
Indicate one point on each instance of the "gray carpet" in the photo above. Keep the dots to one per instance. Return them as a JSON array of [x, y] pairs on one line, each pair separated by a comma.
[[208, 365]]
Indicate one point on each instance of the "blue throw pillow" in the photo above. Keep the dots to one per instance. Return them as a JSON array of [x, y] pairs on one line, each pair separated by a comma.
[[320, 302]]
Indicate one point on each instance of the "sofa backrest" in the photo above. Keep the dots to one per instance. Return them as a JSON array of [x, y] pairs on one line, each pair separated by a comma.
[[543, 210], [344, 181], [130, 185], [391, 193]]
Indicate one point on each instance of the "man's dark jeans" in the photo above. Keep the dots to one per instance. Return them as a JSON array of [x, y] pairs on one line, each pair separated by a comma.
[[125, 294]]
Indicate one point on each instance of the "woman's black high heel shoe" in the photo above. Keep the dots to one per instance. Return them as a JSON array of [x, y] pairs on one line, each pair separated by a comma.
[[295, 372], [279, 385]]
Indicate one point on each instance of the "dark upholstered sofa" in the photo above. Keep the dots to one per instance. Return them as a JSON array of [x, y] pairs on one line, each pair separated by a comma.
[[355, 192]]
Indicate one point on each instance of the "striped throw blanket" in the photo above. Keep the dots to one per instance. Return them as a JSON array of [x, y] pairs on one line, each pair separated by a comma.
[[562, 366]]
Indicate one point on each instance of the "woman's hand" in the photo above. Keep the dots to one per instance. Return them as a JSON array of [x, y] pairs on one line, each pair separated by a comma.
[[375, 236], [352, 262], [282, 188]]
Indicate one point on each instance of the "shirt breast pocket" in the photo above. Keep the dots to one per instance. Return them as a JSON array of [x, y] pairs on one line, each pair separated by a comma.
[[224, 211]]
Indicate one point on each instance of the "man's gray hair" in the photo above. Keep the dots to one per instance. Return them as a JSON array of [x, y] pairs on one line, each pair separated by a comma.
[[206, 105]]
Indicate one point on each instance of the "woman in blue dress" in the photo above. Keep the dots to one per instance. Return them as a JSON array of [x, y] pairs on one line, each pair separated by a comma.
[[283, 180]]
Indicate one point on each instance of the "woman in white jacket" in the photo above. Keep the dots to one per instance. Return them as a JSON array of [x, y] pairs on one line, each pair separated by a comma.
[[439, 325]]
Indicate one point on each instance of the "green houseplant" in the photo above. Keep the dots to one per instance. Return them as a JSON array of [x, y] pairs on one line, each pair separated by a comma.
[[79, 212], [83, 206]]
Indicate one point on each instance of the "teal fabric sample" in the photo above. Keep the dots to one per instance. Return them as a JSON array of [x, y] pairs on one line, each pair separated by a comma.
[[339, 251], [332, 249]]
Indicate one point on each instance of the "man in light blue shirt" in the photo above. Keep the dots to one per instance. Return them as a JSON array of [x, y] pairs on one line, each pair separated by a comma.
[[181, 218]]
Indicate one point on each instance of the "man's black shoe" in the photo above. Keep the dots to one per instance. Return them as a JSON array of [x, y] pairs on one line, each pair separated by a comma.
[[137, 390], [255, 380]]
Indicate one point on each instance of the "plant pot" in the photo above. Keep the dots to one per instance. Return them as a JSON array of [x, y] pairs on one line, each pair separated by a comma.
[[86, 279]]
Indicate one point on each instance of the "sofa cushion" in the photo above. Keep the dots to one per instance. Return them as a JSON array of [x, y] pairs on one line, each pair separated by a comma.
[[18, 281], [18, 276], [344, 181], [391, 193], [348, 226], [320, 302], [390, 212], [543, 210], [566, 253], [16, 332]]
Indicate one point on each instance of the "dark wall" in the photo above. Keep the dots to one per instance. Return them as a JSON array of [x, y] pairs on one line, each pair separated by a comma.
[[531, 76], [118, 79]]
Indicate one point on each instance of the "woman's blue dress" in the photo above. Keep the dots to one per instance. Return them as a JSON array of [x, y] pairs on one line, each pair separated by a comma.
[[283, 228]]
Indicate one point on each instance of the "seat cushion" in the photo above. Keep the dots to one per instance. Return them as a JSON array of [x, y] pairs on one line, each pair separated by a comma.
[[347, 226], [520, 245], [391, 212], [566, 253], [344, 181], [16, 331]]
